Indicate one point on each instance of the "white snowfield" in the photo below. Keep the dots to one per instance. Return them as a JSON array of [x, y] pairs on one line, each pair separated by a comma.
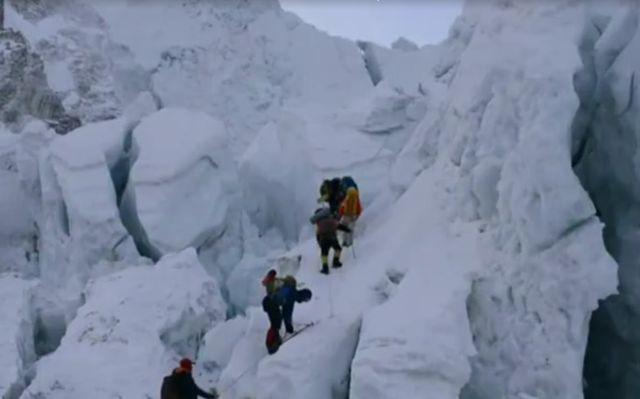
[[477, 263], [16, 335], [133, 328]]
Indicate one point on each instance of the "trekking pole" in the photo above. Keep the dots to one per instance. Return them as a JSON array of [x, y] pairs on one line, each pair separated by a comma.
[[353, 249]]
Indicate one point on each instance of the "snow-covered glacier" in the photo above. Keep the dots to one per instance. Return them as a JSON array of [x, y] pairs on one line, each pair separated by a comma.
[[151, 173]]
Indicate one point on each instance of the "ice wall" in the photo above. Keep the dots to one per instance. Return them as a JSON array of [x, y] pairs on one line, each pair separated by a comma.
[[505, 129], [605, 159]]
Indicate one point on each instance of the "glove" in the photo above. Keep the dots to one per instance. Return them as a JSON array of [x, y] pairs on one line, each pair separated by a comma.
[[214, 393]]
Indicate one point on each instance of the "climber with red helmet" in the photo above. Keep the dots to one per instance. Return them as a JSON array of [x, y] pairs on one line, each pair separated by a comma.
[[180, 384]]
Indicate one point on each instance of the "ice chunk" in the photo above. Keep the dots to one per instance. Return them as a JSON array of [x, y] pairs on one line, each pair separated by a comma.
[[179, 190], [411, 70], [16, 335], [278, 178], [81, 222], [404, 44], [132, 329], [218, 346], [386, 111], [408, 354], [331, 344], [238, 380]]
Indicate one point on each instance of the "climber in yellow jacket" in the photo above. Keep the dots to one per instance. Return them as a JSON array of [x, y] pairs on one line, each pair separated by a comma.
[[350, 211]]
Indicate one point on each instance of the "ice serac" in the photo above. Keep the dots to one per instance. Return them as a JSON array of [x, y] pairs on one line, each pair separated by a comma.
[[16, 336], [181, 185], [18, 236], [423, 353], [217, 347], [606, 160], [330, 344], [275, 170], [506, 123], [131, 331], [255, 60], [238, 380], [80, 223], [416, 355]]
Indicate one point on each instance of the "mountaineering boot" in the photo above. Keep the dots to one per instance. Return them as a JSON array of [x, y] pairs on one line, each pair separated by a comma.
[[336, 263], [325, 269]]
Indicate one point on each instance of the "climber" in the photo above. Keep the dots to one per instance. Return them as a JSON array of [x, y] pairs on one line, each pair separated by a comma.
[[282, 294], [180, 384], [350, 211], [331, 192], [327, 227], [288, 295]]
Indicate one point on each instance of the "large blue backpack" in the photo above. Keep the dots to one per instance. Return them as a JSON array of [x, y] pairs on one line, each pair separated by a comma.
[[348, 182]]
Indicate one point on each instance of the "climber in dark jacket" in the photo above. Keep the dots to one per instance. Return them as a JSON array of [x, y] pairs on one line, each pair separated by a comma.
[[180, 384], [327, 227], [278, 304]]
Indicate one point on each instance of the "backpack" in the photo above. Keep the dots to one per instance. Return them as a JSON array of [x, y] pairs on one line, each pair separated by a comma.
[[303, 295], [351, 205], [348, 182], [168, 389]]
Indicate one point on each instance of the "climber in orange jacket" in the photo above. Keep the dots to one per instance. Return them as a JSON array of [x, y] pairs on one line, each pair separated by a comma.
[[350, 211]]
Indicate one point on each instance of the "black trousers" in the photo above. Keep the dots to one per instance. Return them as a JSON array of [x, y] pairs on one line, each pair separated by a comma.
[[287, 315], [326, 243], [272, 308]]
